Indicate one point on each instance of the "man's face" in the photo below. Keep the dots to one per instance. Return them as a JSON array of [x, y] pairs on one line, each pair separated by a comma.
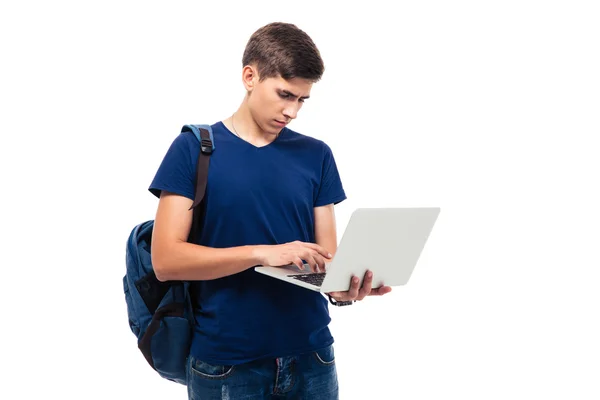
[[274, 102]]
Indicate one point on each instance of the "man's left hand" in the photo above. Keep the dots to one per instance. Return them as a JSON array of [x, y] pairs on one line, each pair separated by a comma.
[[358, 293]]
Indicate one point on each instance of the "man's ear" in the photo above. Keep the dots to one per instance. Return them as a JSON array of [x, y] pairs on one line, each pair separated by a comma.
[[250, 77]]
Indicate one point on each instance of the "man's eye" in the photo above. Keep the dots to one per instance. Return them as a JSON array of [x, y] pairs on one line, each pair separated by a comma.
[[284, 96]]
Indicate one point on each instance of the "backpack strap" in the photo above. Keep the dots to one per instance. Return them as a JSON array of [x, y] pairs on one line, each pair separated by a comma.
[[204, 135]]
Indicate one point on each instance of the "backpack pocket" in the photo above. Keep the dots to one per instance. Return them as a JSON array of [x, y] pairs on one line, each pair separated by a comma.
[[166, 342], [152, 291], [131, 311]]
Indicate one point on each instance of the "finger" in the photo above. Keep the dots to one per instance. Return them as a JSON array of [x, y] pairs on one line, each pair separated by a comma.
[[338, 296], [354, 287], [320, 250], [366, 286], [310, 260], [298, 262], [380, 291], [320, 262], [316, 264], [350, 294]]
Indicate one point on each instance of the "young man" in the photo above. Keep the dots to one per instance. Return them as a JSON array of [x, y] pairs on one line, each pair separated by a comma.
[[269, 201]]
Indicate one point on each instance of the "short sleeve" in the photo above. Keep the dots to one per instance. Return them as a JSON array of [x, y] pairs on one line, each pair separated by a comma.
[[331, 190], [176, 171]]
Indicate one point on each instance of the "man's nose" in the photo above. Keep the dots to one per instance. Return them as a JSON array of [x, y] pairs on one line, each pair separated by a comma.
[[291, 111]]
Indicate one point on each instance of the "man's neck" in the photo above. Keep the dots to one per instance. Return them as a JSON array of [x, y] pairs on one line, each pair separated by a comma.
[[243, 125]]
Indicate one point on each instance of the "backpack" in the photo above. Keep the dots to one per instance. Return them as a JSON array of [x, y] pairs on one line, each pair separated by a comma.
[[161, 314]]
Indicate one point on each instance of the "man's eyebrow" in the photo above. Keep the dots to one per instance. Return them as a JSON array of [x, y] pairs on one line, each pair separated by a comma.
[[294, 95]]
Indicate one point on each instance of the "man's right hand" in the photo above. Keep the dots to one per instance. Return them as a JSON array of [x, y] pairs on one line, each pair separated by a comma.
[[293, 253]]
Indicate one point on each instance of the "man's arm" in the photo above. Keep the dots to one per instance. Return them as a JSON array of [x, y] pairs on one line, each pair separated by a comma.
[[173, 258], [325, 228]]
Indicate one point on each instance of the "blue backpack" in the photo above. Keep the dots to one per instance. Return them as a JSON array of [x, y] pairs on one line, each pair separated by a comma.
[[160, 313]]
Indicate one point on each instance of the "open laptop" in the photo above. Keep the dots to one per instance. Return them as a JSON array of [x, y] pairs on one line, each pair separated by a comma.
[[386, 241]]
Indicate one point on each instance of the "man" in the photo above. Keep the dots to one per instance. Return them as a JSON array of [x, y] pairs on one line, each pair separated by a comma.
[[269, 201]]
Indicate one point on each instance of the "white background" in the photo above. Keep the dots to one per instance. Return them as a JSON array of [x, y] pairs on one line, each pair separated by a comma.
[[489, 110]]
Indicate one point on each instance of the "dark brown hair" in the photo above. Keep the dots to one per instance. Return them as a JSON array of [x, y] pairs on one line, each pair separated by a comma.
[[283, 49]]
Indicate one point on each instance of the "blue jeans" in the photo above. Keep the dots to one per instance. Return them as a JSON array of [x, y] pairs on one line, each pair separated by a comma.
[[310, 376]]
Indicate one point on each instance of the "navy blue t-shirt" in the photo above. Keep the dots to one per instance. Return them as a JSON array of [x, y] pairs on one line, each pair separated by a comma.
[[255, 196]]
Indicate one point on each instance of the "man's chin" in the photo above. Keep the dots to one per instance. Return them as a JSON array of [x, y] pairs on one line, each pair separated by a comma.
[[272, 128], [274, 131]]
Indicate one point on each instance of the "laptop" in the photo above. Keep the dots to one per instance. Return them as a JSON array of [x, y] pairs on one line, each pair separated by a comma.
[[387, 241]]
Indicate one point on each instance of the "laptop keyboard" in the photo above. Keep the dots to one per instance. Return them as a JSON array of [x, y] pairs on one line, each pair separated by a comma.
[[312, 278]]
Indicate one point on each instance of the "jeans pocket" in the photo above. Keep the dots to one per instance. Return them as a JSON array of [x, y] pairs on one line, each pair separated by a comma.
[[210, 371], [325, 356]]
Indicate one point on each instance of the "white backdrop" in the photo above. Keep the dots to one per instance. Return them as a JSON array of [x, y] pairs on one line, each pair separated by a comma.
[[488, 110]]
